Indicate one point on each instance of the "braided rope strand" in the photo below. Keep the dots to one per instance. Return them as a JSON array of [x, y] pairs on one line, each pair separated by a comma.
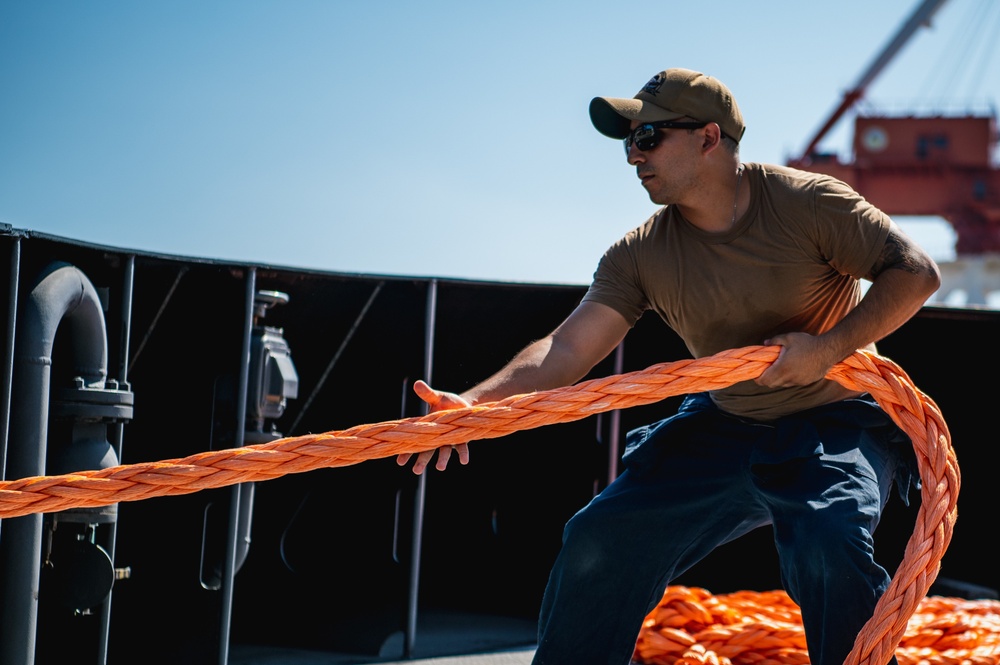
[[911, 410]]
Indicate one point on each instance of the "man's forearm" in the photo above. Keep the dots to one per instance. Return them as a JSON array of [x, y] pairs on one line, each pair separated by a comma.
[[542, 365], [891, 300]]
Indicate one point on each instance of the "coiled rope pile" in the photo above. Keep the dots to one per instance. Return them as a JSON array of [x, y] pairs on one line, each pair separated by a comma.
[[690, 626], [913, 411]]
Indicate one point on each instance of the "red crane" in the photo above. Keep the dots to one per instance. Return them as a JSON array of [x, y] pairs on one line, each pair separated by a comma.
[[932, 165]]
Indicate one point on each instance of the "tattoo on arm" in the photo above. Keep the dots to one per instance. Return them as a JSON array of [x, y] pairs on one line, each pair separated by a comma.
[[897, 253]]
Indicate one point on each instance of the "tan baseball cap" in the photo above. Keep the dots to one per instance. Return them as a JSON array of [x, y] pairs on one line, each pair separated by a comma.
[[671, 94]]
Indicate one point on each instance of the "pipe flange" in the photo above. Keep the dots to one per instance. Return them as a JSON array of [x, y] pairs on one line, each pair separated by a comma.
[[113, 403]]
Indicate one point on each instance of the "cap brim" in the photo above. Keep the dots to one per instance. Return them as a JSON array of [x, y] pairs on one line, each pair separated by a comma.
[[613, 116]]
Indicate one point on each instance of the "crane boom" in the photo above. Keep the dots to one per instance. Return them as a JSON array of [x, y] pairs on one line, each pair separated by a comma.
[[920, 17]]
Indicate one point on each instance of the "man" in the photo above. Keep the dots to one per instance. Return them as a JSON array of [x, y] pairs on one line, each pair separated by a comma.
[[740, 254]]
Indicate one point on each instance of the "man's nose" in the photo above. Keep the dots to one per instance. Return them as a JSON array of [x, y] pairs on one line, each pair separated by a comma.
[[634, 155]]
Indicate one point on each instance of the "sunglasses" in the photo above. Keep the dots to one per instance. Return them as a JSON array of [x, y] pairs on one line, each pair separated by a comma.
[[645, 136]]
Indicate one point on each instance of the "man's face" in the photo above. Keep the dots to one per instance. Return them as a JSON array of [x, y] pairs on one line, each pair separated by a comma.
[[666, 166]]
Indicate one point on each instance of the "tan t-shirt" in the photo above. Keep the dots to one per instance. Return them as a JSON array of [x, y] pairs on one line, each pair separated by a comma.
[[791, 263]]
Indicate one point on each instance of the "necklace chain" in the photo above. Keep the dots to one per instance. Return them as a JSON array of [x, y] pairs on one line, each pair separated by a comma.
[[736, 196]]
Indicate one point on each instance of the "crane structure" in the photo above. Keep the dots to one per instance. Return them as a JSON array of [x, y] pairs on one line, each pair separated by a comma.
[[929, 165]]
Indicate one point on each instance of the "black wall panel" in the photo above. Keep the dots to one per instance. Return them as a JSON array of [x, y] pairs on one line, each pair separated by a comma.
[[331, 553]]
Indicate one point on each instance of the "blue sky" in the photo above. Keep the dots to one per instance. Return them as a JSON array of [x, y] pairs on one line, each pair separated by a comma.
[[440, 138]]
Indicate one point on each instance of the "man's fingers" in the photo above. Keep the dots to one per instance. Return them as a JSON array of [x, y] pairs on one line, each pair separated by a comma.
[[444, 454], [423, 459], [438, 400], [426, 393]]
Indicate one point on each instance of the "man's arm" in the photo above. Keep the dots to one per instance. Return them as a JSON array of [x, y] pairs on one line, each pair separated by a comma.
[[561, 358], [902, 279]]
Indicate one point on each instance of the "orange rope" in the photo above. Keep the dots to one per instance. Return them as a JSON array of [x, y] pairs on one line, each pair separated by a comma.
[[913, 411], [690, 626]]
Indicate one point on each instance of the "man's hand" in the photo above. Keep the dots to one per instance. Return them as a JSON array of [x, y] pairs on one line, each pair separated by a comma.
[[437, 401], [803, 359]]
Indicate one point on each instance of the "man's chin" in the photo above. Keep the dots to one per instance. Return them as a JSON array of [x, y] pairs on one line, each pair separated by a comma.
[[649, 192], [653, 197]]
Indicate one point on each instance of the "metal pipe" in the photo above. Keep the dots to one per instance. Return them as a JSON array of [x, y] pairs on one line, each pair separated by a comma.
[[410, 636], [118, 435], [8, 365], [614, 437], [61, 296], [229, 566]]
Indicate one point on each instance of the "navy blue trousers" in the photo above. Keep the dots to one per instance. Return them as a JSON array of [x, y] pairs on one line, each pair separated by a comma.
[[702, 478]]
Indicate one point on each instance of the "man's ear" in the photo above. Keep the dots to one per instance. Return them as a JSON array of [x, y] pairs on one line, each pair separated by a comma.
[[713, 136]]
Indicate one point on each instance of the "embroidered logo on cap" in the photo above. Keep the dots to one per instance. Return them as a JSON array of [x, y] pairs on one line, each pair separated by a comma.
[[654, 85]]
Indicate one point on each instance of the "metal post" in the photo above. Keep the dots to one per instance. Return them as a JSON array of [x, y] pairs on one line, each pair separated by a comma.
[[229, 567], [614, 436], [118, 435], [418, 508], [8, 364]]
